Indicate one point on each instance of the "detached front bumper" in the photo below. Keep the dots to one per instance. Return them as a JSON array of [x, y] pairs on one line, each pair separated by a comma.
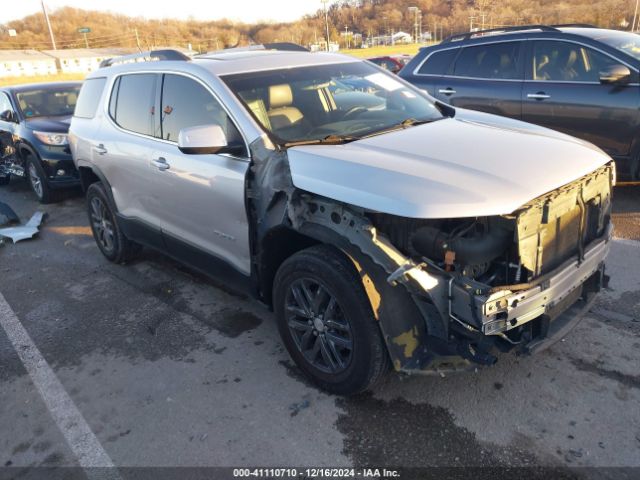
[[556, 302]]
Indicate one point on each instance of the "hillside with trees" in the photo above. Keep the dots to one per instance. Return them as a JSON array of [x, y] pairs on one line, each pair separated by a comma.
[[367, 17]]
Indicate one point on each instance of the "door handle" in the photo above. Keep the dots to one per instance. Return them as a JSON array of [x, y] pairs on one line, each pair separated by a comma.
[[160, 163], [99, 149], [447, 91], [538, 96]]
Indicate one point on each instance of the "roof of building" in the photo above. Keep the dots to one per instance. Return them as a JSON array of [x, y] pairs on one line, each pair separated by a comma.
[[73, 53], [31, 86], [23, 55]]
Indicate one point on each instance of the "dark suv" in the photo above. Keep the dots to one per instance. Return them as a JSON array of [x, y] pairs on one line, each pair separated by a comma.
[[34, 122], [577, 79]]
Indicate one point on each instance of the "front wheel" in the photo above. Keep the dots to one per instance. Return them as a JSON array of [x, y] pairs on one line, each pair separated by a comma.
[[106, 231], [326, 322], [38, 180]]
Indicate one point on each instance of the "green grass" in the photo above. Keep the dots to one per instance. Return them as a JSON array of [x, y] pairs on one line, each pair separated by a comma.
[[59, 77], [381, 51]]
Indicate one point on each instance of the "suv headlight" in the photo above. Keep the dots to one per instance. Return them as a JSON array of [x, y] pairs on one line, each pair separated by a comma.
[[52, 138]]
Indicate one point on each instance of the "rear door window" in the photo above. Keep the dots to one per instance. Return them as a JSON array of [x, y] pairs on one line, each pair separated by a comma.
[[89, 97], [186, 103], [438, 63], [133, 105], [498, 61]]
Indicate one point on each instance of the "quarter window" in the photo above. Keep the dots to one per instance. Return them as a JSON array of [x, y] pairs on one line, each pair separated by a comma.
[[186, 103], [492, 61], [89, 97], [567, 62], [438, 63], [133, 108]]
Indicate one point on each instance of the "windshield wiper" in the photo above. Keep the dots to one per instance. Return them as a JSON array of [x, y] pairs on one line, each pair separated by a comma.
[[406, 123], [332, 139]]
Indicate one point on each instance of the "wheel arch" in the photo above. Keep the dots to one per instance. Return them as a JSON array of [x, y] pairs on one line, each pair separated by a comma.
[[278, 244], [90, 174], [404, 330]]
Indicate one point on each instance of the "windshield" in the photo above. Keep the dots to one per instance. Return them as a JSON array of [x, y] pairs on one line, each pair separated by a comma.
[[628, 43], [336, 102], [48, 102]]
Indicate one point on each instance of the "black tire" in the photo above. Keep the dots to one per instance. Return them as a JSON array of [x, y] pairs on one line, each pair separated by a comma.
[[38, 181], [106, 231], [5, 180], [358, 369]]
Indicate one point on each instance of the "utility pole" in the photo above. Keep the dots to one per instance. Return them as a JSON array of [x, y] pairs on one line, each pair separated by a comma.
[[326, 21], [416, 11], [137, 40], [635, 18], [46, 17]]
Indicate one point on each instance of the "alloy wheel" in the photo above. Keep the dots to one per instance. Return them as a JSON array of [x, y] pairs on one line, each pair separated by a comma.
[[36, 182], [102, 224], [318, 326]]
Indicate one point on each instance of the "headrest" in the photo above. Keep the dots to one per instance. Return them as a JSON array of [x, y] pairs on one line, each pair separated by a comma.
[[280, 96]]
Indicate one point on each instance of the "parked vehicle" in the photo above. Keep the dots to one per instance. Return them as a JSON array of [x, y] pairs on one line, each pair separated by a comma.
[[393, 63], [579, 80], [34, 122], [409, 234]]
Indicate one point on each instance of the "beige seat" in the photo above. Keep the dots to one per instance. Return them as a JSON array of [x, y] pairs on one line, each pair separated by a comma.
[[281, 114]]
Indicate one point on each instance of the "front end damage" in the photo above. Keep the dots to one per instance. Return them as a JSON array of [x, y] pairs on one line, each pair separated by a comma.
[[450, 293]]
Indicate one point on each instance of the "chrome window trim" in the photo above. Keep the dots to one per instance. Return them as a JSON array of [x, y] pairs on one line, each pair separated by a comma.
[[533, 39], [460, 47], [114, 78]]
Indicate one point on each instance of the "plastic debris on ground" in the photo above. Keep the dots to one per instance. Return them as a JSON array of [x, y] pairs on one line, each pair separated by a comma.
[[23, 232]]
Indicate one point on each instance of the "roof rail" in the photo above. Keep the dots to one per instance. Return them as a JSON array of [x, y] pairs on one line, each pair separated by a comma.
[[466, 36], [573, 25], [282, 46], [150, 56]]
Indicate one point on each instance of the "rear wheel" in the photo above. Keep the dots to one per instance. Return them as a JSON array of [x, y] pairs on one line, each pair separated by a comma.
[[326, 321], [106, 232]]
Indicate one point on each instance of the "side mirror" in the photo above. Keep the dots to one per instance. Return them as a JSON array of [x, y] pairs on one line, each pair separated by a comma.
[[202, 139], [615, 74], [7, 116]]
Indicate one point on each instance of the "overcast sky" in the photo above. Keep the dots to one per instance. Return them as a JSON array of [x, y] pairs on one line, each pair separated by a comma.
[[243, 10]]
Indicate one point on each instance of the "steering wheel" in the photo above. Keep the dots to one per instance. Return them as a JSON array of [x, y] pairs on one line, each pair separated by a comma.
[[353, 111]]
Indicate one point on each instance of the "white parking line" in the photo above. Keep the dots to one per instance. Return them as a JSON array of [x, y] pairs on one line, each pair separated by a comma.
[[68, 418]]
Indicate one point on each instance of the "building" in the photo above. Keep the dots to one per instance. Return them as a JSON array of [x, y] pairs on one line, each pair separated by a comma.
[[401, 37], [83, 60], [19, 63]]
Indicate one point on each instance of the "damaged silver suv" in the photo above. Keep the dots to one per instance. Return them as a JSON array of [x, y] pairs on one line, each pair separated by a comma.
[[385, 229]]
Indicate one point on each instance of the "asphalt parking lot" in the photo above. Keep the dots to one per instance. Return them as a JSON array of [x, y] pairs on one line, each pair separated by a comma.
[[153, 365]]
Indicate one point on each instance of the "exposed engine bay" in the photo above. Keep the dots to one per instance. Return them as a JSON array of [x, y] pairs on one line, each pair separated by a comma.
[[509, 250], [505, 282]]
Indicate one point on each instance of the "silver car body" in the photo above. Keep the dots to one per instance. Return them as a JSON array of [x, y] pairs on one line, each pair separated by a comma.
[[471, 165]]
